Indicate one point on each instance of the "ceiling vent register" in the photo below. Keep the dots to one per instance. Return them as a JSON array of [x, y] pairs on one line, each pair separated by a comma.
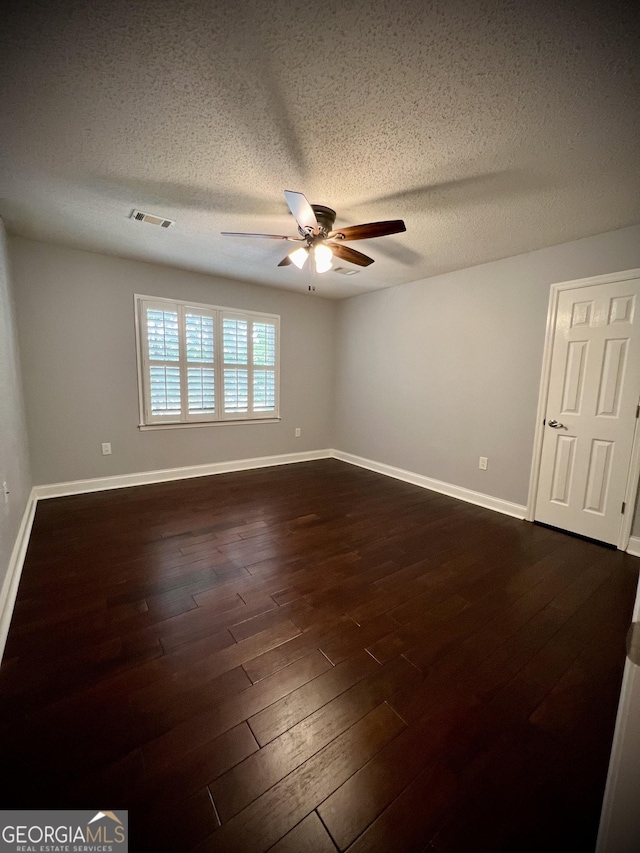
[[152, 219]]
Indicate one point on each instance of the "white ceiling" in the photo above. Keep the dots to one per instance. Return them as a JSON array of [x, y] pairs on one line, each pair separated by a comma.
[[492, 128]]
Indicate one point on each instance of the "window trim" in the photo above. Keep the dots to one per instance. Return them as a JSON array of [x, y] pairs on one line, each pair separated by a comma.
[[220, 417]]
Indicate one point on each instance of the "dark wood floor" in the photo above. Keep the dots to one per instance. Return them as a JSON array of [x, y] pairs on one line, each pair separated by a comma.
[[314, 657]]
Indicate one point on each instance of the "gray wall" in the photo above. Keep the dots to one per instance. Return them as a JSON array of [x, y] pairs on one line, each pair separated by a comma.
[[436, 373], [14, 455], [76, 323]]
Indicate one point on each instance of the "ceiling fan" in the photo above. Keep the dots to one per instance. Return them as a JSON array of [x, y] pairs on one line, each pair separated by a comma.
[[315, 224]]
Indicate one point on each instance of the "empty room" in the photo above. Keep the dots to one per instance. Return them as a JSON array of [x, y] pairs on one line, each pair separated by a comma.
[[330, 546]]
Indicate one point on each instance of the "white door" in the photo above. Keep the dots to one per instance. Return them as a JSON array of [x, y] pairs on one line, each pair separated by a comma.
[[591, 410]]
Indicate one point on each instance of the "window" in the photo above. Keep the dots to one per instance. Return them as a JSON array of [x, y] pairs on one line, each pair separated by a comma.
[[200, 363]]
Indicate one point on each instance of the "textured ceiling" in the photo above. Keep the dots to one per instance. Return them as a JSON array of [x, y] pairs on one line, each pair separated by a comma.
[[492, 128]]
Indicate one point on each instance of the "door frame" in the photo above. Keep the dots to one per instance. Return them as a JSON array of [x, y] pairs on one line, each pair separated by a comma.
[[634, 466]]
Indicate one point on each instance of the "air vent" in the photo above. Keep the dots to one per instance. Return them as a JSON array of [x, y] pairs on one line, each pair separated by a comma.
[[345, 271], [152, 219]]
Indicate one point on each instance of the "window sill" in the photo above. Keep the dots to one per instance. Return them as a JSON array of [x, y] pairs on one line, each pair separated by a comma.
[[198, 424]]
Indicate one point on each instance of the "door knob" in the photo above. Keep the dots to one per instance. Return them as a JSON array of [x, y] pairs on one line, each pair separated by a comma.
[[556, 425]]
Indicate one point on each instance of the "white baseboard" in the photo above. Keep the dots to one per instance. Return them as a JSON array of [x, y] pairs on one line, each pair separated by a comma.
[[478, 498], [14, 571], [633, 547], [144, 478]]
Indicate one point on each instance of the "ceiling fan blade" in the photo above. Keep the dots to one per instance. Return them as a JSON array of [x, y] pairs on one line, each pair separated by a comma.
[[302, 210], [346, 253], [267, 236], [371, 229], [285, 261]]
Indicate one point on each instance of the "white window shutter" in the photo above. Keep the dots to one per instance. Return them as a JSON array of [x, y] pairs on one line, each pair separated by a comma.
[[200, 347], [264, 366], [161, 362], [235, 349]]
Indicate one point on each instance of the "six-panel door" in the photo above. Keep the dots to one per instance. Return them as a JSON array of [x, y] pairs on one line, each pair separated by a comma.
[[591, 410]]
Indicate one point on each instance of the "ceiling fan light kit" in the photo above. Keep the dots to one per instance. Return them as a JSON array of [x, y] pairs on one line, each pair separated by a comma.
[[323, 257], [299, 256], [315, 229]]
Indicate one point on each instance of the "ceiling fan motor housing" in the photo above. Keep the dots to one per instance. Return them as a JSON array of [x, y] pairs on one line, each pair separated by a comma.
[[325, 216]]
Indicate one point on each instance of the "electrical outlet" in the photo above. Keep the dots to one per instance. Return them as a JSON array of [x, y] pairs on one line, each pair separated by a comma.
[[297, 432], [106, 448], [482, 465], [5, 490]]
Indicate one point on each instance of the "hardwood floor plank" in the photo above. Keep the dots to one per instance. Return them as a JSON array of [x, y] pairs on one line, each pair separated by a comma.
[[119, 781], [298, 704], [200, 662], [512, 598], [180, 826], [249, 627], [173, 709], [338, 648], [247, 781], [402, 639], [272, 815], [569, 698], [507, 811], [277, 658], [167, 787], [308, 835], [411, 819], [201, 728], [357, 803], [198, 623]]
